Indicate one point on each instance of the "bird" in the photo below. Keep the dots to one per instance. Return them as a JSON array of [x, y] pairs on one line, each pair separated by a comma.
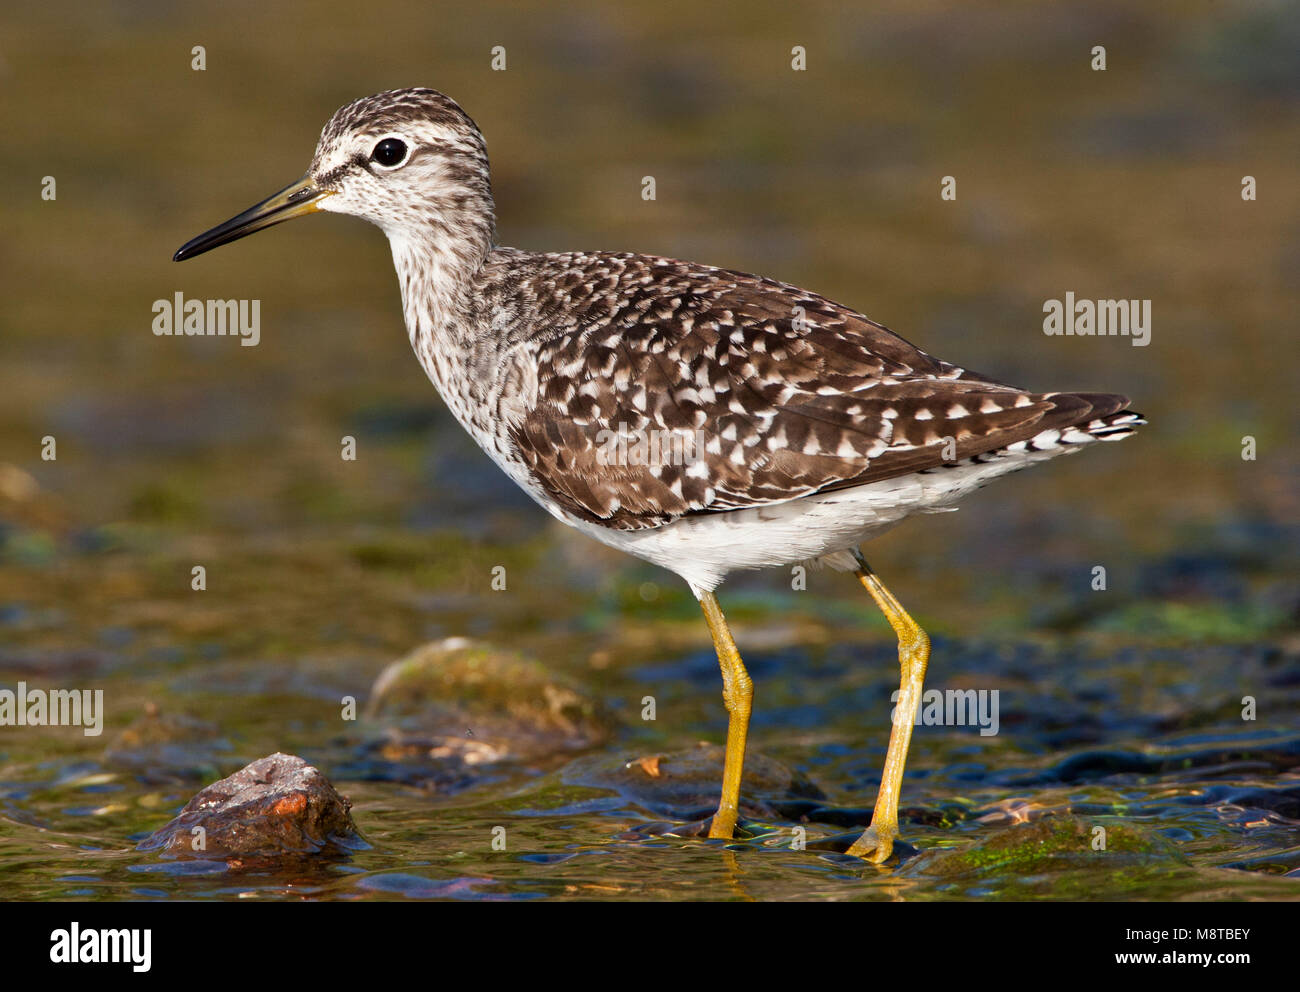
[[706, 420]]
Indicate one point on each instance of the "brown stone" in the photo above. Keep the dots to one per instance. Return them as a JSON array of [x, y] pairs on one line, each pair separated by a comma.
[[276, 806]]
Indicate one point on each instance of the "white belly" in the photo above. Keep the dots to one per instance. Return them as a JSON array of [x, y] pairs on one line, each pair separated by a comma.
[[703, 549]]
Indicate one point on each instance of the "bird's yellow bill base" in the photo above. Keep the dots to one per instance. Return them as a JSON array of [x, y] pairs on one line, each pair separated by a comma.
[[877, 842], [295, 200]]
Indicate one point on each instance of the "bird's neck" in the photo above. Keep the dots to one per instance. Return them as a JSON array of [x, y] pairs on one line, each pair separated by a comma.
[[436, 266], [438, 269]]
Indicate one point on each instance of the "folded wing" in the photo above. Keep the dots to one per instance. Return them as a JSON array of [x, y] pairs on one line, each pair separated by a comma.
[[732, 391]]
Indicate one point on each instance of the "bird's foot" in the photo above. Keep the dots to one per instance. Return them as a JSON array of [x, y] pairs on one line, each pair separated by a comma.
[[875, 845], [722, 825]]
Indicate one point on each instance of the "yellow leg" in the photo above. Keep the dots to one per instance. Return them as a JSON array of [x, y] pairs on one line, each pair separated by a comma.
[[737, 694], [877, 842]]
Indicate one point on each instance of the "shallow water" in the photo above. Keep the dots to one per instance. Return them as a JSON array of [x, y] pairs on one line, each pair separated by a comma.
[[1147, 742], [1126, 708]]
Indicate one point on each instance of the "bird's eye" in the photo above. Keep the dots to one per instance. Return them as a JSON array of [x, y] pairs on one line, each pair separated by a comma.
[[390, 153]]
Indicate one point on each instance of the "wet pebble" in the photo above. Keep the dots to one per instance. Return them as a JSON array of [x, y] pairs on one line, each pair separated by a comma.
[[274, 807]]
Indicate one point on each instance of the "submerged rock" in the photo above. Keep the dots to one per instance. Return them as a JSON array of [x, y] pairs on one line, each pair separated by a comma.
[[437, 765], [470, 704], [165, 747], [685, 784], [1051, 844], [276, 806]]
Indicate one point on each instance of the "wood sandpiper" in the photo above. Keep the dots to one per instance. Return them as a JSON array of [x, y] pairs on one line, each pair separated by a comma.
[[808, 428]]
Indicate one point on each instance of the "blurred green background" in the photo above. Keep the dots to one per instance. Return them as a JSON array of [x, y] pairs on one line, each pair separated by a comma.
[[1117, 184]]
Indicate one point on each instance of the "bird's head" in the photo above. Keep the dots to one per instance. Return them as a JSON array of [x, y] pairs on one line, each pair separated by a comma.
[[410, 161]]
